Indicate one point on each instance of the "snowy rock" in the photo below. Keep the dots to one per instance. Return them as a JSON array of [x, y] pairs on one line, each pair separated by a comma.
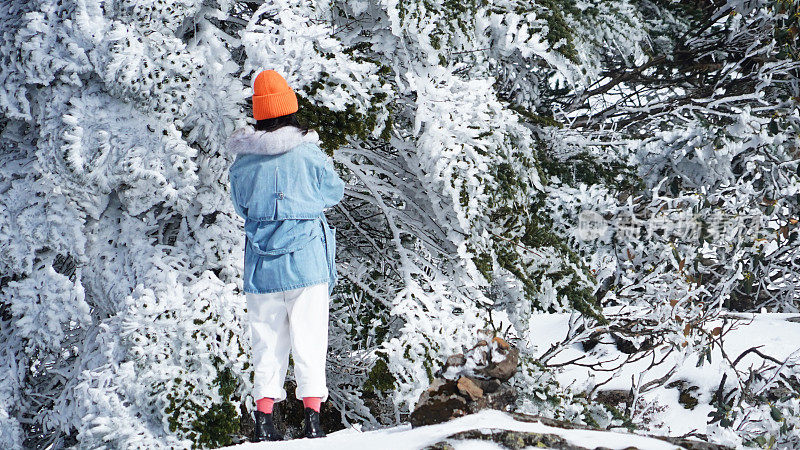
[[440, 403], [495, 359], [458, 360], [613, 397], [468, 386], [503, 361], [470, 382], [507, 439], [558, 434], [503, 399]]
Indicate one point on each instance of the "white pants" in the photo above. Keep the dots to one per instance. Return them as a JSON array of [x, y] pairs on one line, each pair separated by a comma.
[[296, 318]]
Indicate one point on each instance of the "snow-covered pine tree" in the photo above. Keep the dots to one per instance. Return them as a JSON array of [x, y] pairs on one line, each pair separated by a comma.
[[121, 321]]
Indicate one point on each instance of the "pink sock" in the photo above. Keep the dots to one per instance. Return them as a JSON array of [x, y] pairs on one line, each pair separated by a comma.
[[312, 402], [265, 405]]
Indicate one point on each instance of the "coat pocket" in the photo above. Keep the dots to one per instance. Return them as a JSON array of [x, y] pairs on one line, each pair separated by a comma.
[[296, 245], [330, 250]]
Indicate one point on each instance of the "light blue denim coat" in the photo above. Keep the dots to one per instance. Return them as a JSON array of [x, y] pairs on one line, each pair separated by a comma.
[[280, 184]]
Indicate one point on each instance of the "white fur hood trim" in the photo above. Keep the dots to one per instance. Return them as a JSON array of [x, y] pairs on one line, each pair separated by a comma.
[[249, 140]]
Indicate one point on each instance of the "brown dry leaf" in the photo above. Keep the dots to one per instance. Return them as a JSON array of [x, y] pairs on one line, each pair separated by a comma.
[[501, 342], [673, 302], [681, 264], [716, 331], [687, 329]]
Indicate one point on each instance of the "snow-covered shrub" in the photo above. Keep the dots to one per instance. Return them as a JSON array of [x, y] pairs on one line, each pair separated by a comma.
[[121, 315], [711, 223]]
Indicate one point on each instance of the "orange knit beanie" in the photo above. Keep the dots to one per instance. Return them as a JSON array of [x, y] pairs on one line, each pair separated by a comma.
[[272, 96]]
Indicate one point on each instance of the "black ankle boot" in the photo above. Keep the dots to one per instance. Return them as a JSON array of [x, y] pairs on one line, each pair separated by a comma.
[[265, 429], [313, 428]]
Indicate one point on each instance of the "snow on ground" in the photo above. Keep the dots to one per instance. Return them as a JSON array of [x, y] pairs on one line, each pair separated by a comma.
[[777, 336], [404, 437]]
